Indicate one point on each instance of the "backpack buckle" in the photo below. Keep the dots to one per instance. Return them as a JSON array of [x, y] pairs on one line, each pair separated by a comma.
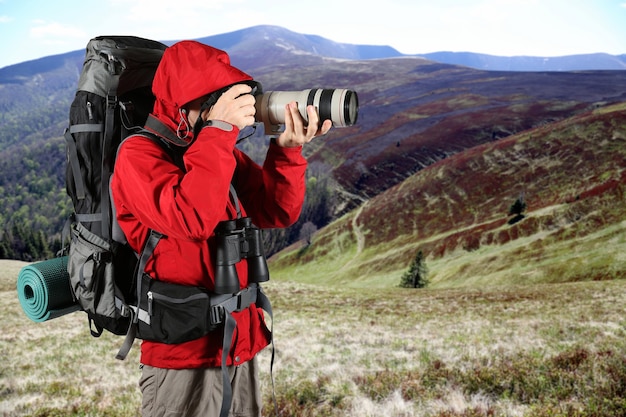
[[216, 314], [111, 101], [102, 257]]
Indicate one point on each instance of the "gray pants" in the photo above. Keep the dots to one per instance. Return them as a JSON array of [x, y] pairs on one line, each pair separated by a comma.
[[198, 392]]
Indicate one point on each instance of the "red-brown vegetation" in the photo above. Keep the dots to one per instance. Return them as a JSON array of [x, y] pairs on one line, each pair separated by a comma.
[[571, 173]]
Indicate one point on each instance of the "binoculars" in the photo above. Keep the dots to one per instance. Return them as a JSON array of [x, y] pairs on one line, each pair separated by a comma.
[[236, 240]]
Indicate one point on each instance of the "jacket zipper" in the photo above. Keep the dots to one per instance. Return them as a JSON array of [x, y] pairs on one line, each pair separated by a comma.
[[89, 110], [150, 303]]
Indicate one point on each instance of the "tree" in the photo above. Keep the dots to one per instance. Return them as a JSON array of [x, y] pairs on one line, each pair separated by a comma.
[[416, 276], [21, 242], [307, 231], [316, 210], [517, 209]]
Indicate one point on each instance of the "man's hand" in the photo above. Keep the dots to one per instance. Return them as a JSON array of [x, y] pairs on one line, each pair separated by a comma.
[[296, 133], [235, 106]]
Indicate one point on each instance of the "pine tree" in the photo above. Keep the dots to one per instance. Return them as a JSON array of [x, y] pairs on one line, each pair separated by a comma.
[[517, 209], [21, 242], [416, 276], [5, 250]]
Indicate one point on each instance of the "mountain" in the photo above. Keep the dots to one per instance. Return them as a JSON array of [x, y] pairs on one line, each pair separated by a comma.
[[250, 45], [413, 113], [240, 44], [571, 175], [597, 61]]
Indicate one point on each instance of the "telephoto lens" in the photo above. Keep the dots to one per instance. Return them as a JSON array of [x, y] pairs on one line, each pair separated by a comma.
[[339, 105]]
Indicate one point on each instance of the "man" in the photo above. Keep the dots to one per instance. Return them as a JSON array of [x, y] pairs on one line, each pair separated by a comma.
[[150, 191]]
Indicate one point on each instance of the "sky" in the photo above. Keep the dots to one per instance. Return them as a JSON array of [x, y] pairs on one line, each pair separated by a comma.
[[31, 29]]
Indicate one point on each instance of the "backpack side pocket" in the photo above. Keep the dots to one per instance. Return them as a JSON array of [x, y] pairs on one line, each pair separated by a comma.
[[92, 279]]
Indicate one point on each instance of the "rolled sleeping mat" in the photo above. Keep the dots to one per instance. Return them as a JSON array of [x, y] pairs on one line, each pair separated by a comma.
[[44, 291]]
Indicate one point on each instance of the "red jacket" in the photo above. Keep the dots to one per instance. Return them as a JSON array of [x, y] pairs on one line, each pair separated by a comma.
[[151, 192]]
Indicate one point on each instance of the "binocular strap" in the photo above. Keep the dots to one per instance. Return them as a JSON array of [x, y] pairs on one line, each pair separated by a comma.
[[235, 200]]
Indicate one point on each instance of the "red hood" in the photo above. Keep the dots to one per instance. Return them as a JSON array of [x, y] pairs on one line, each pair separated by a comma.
[[187, 71]]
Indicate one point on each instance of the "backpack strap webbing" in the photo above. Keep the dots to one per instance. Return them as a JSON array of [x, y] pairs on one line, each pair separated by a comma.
[[157, 127], [148, 248], [151, 242], [107, 159]]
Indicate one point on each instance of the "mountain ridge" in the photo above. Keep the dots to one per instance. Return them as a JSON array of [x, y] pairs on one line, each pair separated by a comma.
[[318, 45], [577, 62]]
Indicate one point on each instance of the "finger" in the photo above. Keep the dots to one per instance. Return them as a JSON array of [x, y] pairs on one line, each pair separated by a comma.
[[314, 120], [244, 108], [247, 121], [237, 90], [288, 118], [324, 128], [297, 123], [245, 100]]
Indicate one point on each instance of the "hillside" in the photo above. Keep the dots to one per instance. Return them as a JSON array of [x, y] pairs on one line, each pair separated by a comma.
[[572, 174], [426, 112], [414, 112]]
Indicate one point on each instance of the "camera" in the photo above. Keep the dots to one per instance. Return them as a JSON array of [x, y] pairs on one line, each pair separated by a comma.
[[341, 106], [236, 240]]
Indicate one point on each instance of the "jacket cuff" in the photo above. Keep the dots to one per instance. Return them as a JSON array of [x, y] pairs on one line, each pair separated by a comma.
[[282, 152], [227, 127]]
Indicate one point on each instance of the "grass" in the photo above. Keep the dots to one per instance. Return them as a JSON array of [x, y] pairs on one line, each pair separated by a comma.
[[57, 369], [539, 258], [536, 350]]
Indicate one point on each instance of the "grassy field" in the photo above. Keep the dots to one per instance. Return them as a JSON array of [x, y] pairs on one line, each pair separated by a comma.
[[541, 350]]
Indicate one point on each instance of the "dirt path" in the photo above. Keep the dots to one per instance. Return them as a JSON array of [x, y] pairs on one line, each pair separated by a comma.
[[358, 235]]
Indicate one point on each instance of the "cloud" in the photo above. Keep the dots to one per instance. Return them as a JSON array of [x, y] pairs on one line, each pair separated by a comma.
[[145, 10], [168, 20], [55, 33], [5, 19]]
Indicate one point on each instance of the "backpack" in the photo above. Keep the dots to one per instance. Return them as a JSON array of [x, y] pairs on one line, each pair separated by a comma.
[[113, 99], [112, 104]]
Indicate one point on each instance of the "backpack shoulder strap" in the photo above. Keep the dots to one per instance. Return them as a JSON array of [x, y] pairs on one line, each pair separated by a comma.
[[174, 152], [155, 125], [149, 246]]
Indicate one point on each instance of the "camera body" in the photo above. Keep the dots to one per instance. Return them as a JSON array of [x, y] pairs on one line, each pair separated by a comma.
[[341, 106], [236, 240]]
